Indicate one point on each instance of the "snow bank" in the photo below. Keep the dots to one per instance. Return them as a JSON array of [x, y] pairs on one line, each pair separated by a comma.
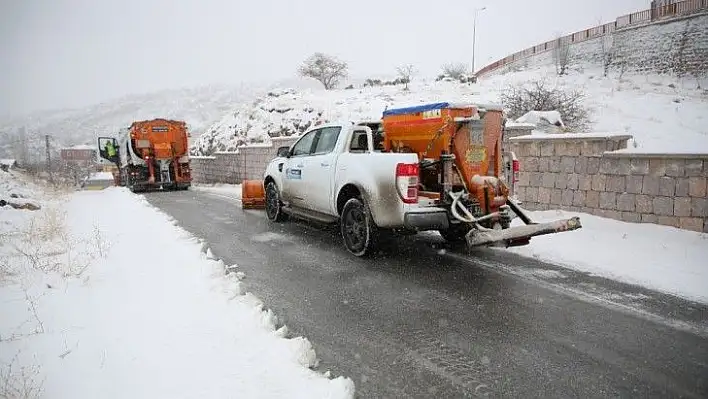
[[13, 182], [228, 190], [663, 258], [536, 117], [99, 310], [18, 189], [661, 114]]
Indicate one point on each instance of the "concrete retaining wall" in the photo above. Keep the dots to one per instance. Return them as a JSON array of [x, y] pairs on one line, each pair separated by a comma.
[[575, 173]]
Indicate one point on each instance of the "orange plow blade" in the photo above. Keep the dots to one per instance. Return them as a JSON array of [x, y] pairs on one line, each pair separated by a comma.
[[253, 194]]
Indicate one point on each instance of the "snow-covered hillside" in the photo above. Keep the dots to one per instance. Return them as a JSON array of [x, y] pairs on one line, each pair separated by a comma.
[[199, 107], [662, 114]]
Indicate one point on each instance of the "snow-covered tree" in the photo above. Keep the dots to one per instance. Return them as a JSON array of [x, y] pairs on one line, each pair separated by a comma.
[[326, 69]]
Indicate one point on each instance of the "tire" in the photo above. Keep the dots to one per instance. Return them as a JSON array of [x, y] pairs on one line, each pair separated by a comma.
[[273, 205], [456, 233], [359, 232]]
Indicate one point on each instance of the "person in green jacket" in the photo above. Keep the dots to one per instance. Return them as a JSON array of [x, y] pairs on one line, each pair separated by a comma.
[[110, 150]]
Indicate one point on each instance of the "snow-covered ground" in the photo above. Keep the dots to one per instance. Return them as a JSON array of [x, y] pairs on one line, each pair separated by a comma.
[[662, 258], [91, 308], [226, 190], [662, 114]]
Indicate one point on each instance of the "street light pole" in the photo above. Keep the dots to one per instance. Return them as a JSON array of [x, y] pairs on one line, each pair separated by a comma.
[[474, 34]]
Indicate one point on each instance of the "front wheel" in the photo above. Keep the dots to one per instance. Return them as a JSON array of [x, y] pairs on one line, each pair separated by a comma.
[[359, 232], [273, 205]]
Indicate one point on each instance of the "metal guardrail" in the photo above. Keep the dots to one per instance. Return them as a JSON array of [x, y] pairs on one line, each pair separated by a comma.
[[643, 17]]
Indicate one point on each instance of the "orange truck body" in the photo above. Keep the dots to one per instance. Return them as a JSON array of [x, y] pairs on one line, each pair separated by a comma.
[[160, 138], [155, 153], [477, 146]]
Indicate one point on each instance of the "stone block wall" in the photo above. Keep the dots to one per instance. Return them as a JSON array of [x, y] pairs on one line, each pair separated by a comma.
[[234, 167], [201, 167], [678, 47], [674, 44], [574, 172]]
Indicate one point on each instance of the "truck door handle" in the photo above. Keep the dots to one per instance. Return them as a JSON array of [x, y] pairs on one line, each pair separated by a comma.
[[299, 166], [324, 164]]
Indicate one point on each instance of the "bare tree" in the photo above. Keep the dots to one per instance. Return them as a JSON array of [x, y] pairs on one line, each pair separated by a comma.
[[679, 65], [324, 68], [536, 96], [406, 72], [606, 48], [607, 52], [21, 150], [455, 71], [561, 54], [699, 71]]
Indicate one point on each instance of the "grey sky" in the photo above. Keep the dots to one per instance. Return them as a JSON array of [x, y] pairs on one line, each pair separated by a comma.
[[68, 53]]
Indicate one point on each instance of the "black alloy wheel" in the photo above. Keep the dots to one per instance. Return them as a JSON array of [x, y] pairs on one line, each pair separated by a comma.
[[359, 232], [274, 208]]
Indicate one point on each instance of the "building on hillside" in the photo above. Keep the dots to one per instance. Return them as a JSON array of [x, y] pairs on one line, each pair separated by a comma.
[[79, 161]]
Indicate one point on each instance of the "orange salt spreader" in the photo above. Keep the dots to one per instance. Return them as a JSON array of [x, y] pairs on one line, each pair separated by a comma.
[[459, 148]]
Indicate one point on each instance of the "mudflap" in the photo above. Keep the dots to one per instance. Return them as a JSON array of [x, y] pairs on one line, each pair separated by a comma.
[[520, 235]]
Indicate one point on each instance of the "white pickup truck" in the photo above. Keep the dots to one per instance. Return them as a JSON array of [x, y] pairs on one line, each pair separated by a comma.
[[334, 174]]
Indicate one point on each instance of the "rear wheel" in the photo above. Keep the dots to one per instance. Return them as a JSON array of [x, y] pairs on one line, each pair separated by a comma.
[[273, 205], [359, 232]]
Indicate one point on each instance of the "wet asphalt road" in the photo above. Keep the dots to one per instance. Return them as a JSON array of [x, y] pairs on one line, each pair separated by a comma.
[[421, 322]]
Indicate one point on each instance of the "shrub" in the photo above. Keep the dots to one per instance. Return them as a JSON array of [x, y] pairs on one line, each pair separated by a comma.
[[535, 96]]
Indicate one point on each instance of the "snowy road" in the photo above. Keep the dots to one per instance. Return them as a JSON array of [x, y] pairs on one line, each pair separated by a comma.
[[496, 325]]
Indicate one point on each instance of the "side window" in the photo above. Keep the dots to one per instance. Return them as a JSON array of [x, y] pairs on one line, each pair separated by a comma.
[[359, 143], [327, 139], [304, 145]]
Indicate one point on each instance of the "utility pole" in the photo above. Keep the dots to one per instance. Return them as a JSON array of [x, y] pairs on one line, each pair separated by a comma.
[[474, 34], [49, 159]]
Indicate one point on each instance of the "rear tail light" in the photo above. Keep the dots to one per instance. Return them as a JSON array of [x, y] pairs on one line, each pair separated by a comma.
[[515, 169], [407, 182]]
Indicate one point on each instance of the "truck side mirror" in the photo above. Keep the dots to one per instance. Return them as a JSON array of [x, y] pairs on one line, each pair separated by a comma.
[[284, 152]]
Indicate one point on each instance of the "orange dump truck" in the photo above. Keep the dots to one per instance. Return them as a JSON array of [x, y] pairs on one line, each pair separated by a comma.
[[150, 154]]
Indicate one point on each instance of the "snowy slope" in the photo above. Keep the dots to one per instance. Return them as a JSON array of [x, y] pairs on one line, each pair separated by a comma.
[[663, 115], [199, 107]]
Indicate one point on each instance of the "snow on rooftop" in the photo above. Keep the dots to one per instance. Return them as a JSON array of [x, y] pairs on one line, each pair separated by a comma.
[[81, 147], [659, 112]]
